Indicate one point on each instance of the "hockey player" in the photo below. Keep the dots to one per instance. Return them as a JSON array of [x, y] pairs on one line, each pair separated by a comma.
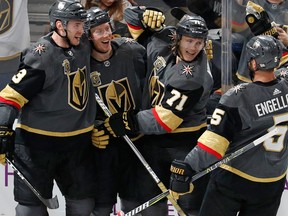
[[53, 134], [118, 70], [178, 86], [251, 184]]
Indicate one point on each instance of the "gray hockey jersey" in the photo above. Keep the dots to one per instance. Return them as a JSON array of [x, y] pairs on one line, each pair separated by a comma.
[[245, 113]]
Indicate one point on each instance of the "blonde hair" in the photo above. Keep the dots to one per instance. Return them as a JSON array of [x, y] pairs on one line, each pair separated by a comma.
[[115, 11]]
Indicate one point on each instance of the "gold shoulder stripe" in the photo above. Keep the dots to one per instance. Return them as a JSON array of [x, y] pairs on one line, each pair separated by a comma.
[[6, 58], [283, 60], [135, 31], [10, 94], [243, 78], [249, 177], [214, 141], [168, 118], [53, 133]]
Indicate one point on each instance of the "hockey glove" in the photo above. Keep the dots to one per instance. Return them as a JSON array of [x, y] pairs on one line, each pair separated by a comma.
[[209, 49], [259, 21], [180, 180], [6, 144], [122, 123], [100, 138], [153, 19]]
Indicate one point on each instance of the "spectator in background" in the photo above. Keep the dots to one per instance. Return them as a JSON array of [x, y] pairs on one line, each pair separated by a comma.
[[282, 36], [14, 22], [115, 9], [277, 9], [261, 22]]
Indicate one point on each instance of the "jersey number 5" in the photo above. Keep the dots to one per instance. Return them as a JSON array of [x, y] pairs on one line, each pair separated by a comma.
[[217, 116]]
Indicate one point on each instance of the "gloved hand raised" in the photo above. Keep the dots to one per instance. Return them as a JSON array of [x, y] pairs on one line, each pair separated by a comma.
[[153, 19], [122, 123], [180, 180], [6, 144]]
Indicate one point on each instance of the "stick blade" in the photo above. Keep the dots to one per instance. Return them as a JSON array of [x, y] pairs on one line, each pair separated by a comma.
[[178, 13]]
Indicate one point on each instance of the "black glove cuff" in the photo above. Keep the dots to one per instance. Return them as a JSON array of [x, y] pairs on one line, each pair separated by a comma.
[[7, 141], [117, 124], [130, 120], [178, 185]]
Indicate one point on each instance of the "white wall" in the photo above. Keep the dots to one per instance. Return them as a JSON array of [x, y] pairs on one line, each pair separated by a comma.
[[7, 203]]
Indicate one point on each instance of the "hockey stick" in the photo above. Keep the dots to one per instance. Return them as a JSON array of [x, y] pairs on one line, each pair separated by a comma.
[[198, 175], [143, 161], [177, 13], [144, 205], [49, 203]]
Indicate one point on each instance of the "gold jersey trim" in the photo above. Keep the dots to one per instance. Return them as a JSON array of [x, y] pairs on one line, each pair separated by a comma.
[[189, 129], [249, 177], [9, 93], [135, 32], [168, 117], [136, 138], [283, 60], [243, 78], [10, 57], [214, 141], [53, 133]]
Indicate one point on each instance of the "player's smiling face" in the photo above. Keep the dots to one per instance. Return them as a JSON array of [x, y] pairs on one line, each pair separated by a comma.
[[75, 30], [101, 36], [190, 47]]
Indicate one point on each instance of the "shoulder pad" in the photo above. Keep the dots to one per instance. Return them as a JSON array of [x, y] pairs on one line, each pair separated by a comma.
[[124, 40], [168, 34], [231, 97], [37, 51]]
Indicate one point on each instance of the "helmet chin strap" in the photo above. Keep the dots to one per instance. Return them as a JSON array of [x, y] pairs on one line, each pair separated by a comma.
[[66, 33]]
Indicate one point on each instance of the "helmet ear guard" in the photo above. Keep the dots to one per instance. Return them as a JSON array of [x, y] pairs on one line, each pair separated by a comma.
[[266, 50], [65, 10]]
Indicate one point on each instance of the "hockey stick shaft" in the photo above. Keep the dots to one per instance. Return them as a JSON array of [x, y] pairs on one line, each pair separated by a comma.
[[143, 161], [49, 203], [235, 154], [223, 161], [145, 205]]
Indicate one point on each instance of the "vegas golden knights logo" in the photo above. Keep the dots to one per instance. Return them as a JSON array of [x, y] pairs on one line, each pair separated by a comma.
[[6, 15], [156, 90], [78, 89], [117, 95]]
